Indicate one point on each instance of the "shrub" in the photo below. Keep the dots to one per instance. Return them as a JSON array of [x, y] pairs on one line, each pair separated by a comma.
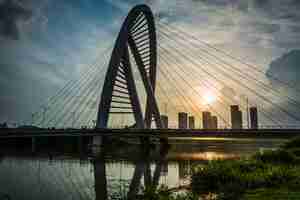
[[231, 191], [163, 193], [151, 193], [294, 185], [295, 151], [279, 175], [276, 157], [294, 143], [247, 166], [186, 196], [213, 176], [231, 178], [271, 194]]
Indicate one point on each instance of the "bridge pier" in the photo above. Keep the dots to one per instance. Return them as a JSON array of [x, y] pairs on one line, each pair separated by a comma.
[[80, 145], [97, 143], [33, 145]]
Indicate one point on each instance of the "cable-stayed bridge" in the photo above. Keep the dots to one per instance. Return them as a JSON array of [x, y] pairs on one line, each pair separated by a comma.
[[154, 69], [157, 68]]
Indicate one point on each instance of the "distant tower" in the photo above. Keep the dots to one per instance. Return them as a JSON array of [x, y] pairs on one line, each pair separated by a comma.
[[165, 121], [214, 122], [191, 122], [236, 117], [206, 120], [253, 118], [182, 120]]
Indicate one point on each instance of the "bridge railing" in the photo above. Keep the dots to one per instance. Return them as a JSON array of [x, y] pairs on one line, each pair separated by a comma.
[[279, 126]]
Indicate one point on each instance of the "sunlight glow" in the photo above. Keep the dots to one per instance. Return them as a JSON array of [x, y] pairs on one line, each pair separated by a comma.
[[209, 98]]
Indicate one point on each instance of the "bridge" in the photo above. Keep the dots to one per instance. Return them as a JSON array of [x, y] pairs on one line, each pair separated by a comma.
[[156, 69], [154, 133], [156, 66]]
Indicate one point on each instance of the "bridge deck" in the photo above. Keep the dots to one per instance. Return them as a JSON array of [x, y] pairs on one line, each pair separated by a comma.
[[157, 133]]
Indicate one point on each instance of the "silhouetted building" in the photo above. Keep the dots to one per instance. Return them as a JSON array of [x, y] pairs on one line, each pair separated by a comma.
[[182, 120], [234, 108], [206, 120], [4, 125], [191, 122], [253, 118], [236, 117], [164, 121], [214, 122]]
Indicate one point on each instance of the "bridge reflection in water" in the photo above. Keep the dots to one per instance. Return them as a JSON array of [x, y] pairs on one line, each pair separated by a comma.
[[141, 169], [115, 173]]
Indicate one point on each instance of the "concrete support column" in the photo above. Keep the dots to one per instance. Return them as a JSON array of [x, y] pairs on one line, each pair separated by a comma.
[[97, 144], [33, 145]]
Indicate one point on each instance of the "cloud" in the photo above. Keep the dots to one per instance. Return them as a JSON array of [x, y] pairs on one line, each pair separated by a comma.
[[283, 74], [10, 14], [286, 68], [57, 44]]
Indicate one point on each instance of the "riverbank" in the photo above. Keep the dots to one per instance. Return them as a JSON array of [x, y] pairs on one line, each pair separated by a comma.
[[268, 175], [265, 175]]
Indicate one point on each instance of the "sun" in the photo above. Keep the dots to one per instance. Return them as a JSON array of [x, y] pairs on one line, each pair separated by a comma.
[[209, 98]]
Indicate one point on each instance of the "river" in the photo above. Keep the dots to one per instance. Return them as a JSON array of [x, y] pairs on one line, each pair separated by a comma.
[[117, 171]]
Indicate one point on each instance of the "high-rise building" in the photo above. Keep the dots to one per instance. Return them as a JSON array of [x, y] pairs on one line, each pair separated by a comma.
[[253, 118], [234, 108], [236, 117], [214, 122], [182, 120], [165, 121], [206, 120], [191, 122]]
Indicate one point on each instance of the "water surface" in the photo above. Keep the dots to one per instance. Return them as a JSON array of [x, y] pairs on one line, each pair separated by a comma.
[[118, 171]]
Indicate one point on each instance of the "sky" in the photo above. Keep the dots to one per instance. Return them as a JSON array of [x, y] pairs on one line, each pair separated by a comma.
[[62, 38]]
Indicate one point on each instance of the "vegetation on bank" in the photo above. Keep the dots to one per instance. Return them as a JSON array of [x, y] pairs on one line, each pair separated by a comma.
[[267, 175], [163, 193], [271, 175]]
